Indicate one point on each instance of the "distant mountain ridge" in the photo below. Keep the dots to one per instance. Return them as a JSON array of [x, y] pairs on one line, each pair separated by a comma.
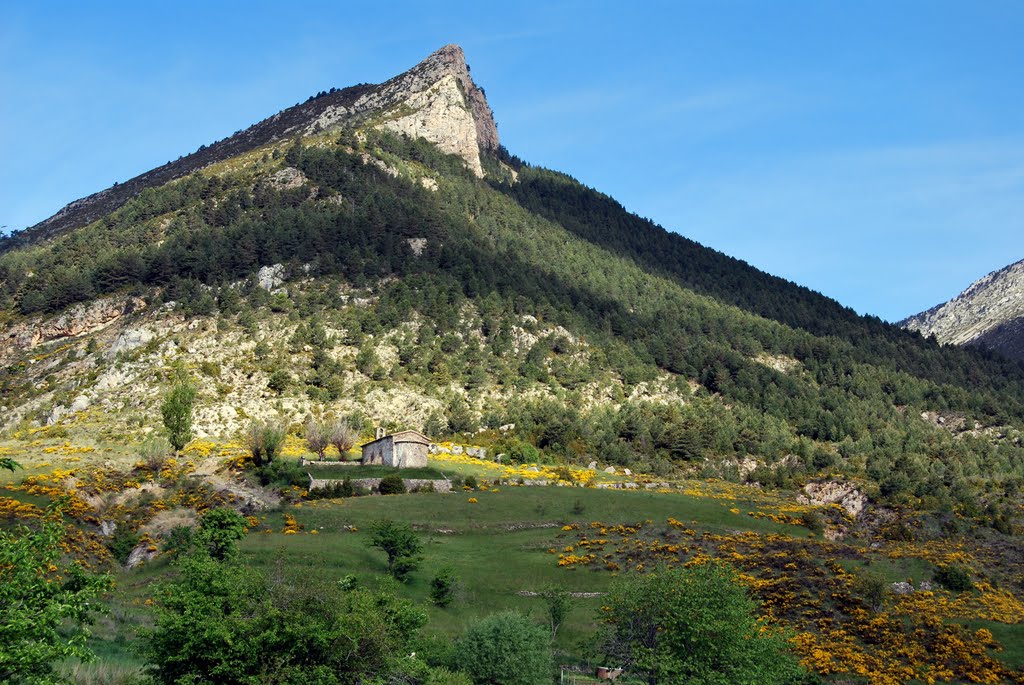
[[989, 313], [445, 67]]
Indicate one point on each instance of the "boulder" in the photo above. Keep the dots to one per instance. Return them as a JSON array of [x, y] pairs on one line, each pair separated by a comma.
[[131, 339], [142, 553], [846, 495], [270, 277]]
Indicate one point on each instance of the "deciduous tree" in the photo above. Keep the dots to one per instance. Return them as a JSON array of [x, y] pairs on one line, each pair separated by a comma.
[[693, 626]]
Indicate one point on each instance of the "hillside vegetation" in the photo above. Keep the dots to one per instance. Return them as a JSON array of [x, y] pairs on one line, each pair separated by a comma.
[[839, 392], [358, 275]]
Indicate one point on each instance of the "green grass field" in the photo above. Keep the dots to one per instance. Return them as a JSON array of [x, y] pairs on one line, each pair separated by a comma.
[[497, 547]]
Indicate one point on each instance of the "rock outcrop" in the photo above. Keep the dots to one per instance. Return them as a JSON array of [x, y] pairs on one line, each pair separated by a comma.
[[846, 495], [989, 313], [78, 320]]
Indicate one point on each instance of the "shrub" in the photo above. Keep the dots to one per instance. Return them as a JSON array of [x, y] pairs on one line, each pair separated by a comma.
[[229, 623], [470, 482], [693, 625], [209, 368], [813, 522], [400, 543], [954, 578], [264, 440], [45, 604], [153, 453], [220, 530], [122, 542], [505, 649], [557, 602], [871, 588], [392, 485], [442, 676], [443, 587], [179, 541], [279, 381], [342, 488]]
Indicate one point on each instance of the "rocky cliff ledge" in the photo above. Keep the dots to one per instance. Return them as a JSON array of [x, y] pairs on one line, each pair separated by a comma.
[[989, 313]]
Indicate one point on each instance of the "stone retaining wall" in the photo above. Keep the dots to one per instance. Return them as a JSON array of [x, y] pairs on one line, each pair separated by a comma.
[[371, 483], [314, 463]]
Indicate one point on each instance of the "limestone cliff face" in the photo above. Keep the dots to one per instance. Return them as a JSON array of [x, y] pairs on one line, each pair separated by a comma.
[[436, 99], [989, 313], [78, 320], [441, 116]]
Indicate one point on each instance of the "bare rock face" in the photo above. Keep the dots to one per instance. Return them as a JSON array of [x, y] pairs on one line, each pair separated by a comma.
[[78, 320], [437, 100], [845, 495], [286, 179], [270, 277], [441, 116], [989, 313], [141, 554]]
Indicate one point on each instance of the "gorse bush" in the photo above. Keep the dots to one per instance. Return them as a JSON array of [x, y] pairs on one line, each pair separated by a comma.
[[953, 577]]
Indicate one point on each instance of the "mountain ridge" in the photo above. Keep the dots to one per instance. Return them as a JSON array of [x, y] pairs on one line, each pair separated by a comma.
[[361, 257], [988, 313], [326, 109]]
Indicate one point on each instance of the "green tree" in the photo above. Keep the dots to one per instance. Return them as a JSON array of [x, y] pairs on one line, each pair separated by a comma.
[[693, 626], [400, 543], [279, 381], [220, 530], [44, 604], [505, 649], [264, 440], [177, 413], [225, 623], [557, 602], [443, 587]]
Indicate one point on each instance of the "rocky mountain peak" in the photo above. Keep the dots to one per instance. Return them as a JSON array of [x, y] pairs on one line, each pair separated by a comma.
[[451, 61], [436, 99], [989, 313]]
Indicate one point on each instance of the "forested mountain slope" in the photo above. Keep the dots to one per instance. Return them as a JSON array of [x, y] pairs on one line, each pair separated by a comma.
[[402, 252]]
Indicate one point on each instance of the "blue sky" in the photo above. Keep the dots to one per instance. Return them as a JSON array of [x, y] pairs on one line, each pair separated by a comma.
[[873, 151]]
